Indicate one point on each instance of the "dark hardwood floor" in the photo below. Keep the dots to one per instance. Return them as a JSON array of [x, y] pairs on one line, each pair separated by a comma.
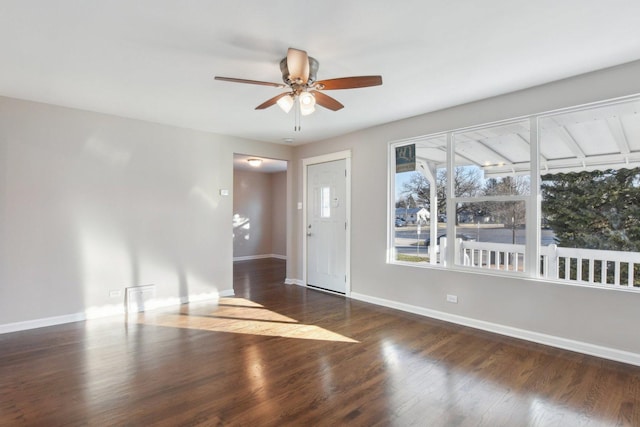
[[279, 355]]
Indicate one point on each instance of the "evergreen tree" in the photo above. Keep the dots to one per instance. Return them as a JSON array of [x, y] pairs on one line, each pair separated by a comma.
[[594, 210]]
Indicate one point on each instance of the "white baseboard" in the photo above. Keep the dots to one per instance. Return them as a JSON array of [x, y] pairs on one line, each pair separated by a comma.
[[550, 340], [251, 257], [563, 343], [41, 323], [227, 293], [109, 310]]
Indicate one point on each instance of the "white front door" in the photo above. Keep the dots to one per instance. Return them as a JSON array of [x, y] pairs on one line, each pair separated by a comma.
[[326, 225]]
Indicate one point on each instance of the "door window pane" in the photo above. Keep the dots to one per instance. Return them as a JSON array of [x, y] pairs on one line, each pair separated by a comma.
[[325, 202]]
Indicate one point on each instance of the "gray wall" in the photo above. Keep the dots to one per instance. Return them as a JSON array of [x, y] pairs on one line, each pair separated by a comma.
[[91, 203], [601, 317], [261, 199], [279, 213]]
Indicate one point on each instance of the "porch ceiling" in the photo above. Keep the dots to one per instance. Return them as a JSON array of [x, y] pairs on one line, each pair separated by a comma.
[[588, 139]]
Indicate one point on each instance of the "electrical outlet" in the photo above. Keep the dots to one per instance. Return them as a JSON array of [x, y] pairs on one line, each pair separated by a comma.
[[114, 293], [452, 298]]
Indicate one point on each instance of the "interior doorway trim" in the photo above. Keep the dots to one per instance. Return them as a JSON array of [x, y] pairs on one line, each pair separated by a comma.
[[340, 155]]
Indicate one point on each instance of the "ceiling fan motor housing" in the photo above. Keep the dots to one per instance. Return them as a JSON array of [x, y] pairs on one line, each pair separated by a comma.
[[313, 71]]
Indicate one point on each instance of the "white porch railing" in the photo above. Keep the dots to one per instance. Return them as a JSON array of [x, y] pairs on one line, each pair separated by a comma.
[[496, 256], [584, 266], [590, 266]]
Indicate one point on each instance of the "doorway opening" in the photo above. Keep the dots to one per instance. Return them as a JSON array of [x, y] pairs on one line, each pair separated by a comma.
[[259, 208]]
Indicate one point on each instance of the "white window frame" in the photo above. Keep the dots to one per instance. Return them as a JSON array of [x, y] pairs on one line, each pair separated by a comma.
[[533, 201]]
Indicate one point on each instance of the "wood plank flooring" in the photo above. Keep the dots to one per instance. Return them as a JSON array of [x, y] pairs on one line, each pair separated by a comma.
[[279, 355]]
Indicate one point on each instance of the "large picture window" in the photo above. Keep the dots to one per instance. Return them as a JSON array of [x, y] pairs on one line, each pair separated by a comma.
[[553, 196]]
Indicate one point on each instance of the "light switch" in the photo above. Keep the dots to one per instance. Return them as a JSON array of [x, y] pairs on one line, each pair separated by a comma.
[[224, 192]]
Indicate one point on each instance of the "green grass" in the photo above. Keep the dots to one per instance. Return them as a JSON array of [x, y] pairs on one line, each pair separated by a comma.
[[411, 258]]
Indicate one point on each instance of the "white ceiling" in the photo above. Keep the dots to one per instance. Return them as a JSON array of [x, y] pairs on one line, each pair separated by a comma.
[[155, 59]]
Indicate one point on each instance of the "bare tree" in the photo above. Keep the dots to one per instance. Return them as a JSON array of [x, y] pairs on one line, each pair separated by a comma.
[[467, 183], [511, 214]]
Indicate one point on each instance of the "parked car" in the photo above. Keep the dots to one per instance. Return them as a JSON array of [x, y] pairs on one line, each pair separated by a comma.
[[463, 236], [400, 222]]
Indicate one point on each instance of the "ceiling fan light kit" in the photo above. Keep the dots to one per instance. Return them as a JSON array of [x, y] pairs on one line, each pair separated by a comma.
[[286, 103], [307, 103], [299, 73]]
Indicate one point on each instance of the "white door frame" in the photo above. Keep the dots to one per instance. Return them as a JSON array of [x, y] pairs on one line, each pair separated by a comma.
[[340, 155]]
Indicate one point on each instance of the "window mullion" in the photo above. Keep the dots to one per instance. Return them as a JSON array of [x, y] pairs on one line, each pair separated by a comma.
[[532, 251], [451, 205]]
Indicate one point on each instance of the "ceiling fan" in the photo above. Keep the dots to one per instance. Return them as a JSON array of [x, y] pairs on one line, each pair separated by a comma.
[[299, 76]]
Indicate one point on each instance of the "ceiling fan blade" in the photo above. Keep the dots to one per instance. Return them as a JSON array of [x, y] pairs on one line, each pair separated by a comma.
[[350, 82], [251, 82], [269, 102], [327, 102], [298, 64]]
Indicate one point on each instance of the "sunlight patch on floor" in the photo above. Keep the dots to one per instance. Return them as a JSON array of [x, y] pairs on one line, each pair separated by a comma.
[[241, 316]]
